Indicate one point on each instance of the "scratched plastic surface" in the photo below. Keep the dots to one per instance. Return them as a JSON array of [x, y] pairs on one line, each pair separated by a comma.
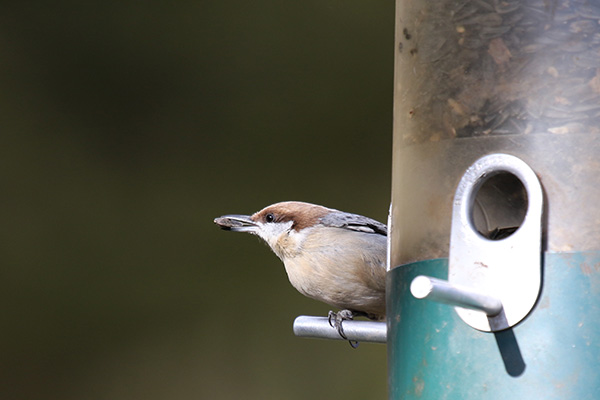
[[476, 77]]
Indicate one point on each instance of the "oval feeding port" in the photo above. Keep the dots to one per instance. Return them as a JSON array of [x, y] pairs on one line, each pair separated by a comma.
[[499, 205], [496, 237]]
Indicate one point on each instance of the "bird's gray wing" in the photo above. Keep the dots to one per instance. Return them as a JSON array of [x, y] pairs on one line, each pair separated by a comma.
[[354, 222]]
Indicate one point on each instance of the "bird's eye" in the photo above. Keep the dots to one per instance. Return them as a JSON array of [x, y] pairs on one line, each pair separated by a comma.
[[269, 217]]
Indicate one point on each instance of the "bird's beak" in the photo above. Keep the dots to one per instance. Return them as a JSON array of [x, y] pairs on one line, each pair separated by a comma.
[[236, 223]]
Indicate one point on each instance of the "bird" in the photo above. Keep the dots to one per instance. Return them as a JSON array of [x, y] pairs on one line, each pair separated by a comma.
[[332, 256]]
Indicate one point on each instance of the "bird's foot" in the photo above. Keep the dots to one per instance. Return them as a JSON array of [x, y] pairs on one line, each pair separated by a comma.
[[335, 321]]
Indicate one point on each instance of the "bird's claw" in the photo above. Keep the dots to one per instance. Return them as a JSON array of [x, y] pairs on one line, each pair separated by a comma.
[[335, 321]]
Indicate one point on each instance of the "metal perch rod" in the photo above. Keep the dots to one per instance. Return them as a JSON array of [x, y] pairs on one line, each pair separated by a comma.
[[360, 331], [425, 287]]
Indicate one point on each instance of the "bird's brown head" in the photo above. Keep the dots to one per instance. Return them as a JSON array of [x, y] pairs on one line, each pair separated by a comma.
[[277, 223], [295, 214], [302, 215]]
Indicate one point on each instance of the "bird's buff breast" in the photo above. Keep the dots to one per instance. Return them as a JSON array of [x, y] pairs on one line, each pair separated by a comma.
[[341, 276]]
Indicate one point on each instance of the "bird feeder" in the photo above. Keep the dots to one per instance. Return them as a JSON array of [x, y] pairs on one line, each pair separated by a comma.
[[494, 285]]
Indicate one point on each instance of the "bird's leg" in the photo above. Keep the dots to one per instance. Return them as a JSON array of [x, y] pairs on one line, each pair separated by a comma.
[[335, 321]]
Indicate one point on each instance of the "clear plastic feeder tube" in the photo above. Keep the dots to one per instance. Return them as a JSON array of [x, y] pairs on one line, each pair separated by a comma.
[[490, 76]]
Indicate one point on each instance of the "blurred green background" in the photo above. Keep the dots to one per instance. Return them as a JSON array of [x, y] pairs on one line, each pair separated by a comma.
[[126, 127]]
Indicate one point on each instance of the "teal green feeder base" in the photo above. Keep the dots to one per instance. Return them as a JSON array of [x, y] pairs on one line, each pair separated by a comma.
[[553, 354]]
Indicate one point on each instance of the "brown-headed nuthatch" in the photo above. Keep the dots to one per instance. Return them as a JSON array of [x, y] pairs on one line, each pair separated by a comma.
[[329, 255]]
